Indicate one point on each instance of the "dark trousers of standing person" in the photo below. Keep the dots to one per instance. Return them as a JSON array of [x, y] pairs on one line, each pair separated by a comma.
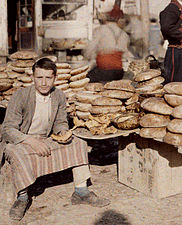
[[100, 75], [173, 65]]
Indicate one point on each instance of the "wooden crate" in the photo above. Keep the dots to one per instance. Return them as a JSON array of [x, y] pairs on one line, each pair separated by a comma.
[[151, 167]]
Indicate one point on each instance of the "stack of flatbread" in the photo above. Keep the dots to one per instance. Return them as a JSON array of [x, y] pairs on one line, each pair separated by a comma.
[[63, 76], [20, 67], [174, 98], [156, 118], [105, 103], [5, 86], [79, 77], [149, 83], [125, 92], [137, 66]]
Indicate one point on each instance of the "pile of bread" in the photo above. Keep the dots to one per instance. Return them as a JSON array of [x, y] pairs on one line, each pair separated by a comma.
[[173, 97], [105, 108], [149, 82], [16, 73], [163, 116], [138, 66], [71, 79]]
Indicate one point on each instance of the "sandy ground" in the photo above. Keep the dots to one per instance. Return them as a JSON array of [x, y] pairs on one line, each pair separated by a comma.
[[52, 206]]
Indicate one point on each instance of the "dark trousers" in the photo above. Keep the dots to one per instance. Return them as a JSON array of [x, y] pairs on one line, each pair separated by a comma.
[[173, 65], [98, 75]]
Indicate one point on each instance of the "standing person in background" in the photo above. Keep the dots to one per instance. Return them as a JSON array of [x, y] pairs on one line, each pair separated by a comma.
[[155, 38], [108, 48], [171, 28], [33, 114]]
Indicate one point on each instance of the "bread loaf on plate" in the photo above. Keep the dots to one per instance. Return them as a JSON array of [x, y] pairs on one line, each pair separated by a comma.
[[154, 120], [156, 105]]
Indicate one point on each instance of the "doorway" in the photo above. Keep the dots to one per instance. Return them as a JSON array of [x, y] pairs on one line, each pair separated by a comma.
[[20, 25]]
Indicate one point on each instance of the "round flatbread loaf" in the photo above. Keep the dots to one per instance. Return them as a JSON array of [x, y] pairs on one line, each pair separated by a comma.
[[63, 71], [154, 120], [13, 74], [175, 126], [6, 80], [147, 75], [156, 105], [78, 89], [173, 139], [94, 87], [149, 88], [79, 70], [173, 88], [16, 69], [62, 86], [51, 57], [28, 71], [3, 75], [134, 98], [106, 101], [83, 115], [86, 96], [173, 100], [124, 85], [79, 83], [24, 79], [155, 80], [2, 68], [156, 93], [83, 107], [27, 84], [63, 66], [58, 82], [177, 112], [24, 55], [117, 94], [127, 121], [153, 132], [65, 76], [106, 109], [23, 63], [5, 86], [79, 76]]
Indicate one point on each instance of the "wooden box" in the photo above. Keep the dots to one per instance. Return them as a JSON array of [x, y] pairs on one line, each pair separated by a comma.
[[151, 167]]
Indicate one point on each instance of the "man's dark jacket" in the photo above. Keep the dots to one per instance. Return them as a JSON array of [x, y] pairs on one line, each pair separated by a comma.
[[171, 23]]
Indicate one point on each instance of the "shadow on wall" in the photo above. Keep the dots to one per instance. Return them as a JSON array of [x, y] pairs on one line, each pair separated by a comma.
[[111, 217]]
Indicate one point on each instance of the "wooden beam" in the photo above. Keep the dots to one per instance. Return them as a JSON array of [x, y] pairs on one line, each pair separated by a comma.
[[144, 11]]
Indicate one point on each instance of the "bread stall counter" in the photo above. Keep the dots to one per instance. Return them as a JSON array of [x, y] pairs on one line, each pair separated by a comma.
[[145, 115]]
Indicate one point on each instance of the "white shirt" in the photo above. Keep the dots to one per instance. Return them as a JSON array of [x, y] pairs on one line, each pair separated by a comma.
[[41, 116]]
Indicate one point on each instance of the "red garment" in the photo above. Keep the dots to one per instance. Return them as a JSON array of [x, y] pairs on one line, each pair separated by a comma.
[[109, 61], [116, 13]]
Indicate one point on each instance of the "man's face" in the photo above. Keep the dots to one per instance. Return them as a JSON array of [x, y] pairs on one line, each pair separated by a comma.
[[43, 80]]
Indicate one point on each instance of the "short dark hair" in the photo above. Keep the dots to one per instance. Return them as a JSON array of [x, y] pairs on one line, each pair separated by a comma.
[[45, 63]]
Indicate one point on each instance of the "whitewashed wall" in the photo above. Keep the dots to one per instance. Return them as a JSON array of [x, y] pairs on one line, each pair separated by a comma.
[[3, 28]]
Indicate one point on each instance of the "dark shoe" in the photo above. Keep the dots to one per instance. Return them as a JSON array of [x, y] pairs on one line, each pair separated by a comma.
[[90, 199], [18, 209]]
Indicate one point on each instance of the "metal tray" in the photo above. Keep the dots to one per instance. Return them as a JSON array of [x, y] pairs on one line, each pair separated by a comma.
[[86, 134]]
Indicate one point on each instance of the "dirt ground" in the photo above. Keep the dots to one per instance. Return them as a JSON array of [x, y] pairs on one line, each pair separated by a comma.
[[52, 206]]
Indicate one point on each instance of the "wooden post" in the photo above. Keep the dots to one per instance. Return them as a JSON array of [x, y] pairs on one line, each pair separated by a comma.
[[38, 26], [3, 31], [144, 12]]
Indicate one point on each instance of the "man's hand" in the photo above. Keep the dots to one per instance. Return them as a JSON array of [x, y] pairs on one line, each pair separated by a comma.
[[38, 146]]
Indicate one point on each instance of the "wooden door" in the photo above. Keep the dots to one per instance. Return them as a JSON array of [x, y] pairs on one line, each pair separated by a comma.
[[25, 24]]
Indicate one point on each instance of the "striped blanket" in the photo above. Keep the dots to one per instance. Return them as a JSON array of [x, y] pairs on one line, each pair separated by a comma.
[[27, 166]]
